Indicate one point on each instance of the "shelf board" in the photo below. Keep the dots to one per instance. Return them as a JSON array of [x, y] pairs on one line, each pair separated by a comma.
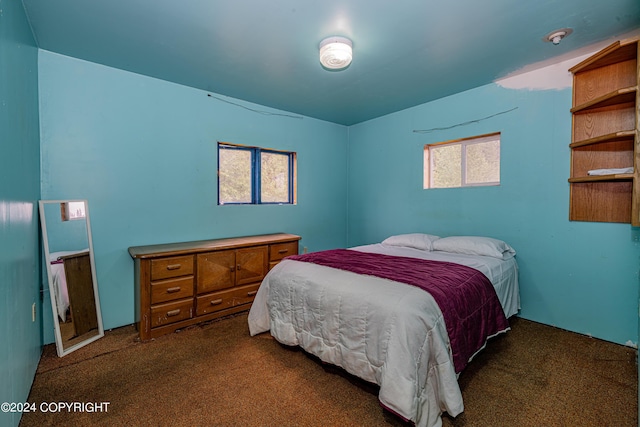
[[616, 52], [620, 96], [598, 178], [611, 137]]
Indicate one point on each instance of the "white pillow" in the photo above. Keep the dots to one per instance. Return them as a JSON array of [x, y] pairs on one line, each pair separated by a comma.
[[413, 240], [475, 245]]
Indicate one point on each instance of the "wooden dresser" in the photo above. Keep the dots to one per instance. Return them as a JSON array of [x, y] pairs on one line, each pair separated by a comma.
[[180, 284], [82, 301]]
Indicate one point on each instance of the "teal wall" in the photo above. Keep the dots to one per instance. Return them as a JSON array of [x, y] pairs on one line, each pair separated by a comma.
[[578, 276], [20, 337], [143, 153]]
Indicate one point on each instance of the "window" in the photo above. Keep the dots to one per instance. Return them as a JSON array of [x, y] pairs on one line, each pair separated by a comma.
[[464, 162], [72, 210], [254, 175]]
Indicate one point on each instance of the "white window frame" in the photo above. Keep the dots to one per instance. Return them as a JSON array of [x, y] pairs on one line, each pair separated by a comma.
[[464, 143]]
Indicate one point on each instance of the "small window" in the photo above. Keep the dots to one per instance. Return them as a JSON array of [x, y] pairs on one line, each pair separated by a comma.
[[464, 162], [254, 175], [72, 210]]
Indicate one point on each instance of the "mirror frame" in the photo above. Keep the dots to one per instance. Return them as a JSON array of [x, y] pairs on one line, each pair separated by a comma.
[[62, 351]]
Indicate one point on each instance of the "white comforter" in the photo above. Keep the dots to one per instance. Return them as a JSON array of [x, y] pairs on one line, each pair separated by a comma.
[[382, 331]]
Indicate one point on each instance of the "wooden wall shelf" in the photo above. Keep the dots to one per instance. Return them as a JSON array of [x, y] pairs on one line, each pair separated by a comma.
[[594, 178], [612, 137], [617, 97], [605, 136]]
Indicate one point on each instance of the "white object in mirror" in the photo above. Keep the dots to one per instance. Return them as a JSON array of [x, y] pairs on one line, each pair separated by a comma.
[[73, 288]]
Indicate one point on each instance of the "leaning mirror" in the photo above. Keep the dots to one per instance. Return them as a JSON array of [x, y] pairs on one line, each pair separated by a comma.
[[68, 250]]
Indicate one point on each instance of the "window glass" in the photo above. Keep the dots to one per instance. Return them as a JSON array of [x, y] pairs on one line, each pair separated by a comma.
[[234, 174], [483, 162], [445, 166], [274, 172]]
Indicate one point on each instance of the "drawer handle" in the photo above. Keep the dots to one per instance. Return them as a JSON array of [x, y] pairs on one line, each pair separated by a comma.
[[173, 312], [283, 251], [173, 266], [173, 290], [251, 293], [216, 302]]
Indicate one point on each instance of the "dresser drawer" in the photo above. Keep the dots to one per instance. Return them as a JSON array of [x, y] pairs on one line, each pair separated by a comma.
[[171, 312], [281, 250], [176, 266], [226, 299], [171, 289]]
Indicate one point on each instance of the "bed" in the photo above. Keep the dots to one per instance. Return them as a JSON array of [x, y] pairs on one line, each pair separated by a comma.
[[391, 333]]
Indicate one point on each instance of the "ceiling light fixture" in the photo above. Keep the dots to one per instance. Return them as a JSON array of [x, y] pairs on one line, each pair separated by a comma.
[[556, 36], [336, 53]]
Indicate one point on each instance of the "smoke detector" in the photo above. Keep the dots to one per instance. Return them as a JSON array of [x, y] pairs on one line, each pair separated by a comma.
[[556, 36]]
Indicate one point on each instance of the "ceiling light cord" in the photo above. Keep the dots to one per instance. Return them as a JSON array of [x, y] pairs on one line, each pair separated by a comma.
[[464, 123], [266, 113]]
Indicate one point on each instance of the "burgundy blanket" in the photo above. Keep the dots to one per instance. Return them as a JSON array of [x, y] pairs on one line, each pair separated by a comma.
[[467, 299]]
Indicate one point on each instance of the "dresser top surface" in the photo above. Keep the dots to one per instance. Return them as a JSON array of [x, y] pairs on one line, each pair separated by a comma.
[[168, 249]]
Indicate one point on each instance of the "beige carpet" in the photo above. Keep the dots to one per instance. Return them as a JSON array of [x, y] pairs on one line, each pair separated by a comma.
[[217, 375]]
